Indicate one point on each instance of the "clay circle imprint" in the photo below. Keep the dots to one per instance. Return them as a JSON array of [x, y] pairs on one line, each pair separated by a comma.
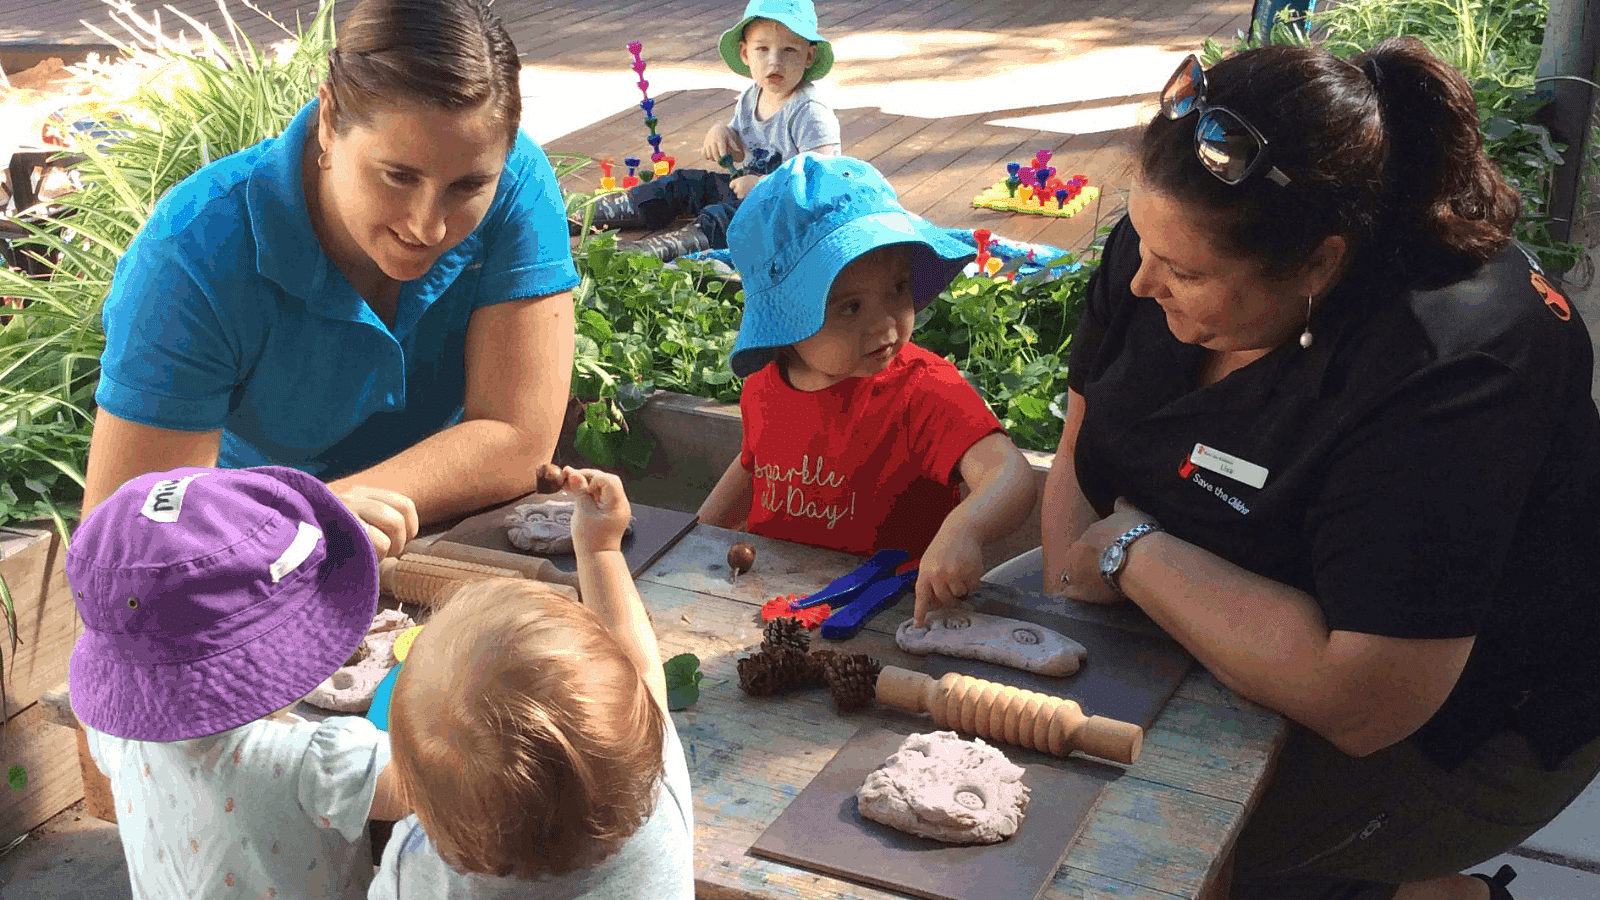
[[954, 622], [1025, 636]]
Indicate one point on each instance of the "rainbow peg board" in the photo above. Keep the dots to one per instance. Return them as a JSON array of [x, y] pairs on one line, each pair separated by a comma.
[[997, 196]]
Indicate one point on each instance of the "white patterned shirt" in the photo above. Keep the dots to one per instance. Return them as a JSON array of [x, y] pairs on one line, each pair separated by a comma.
[[271, 809]]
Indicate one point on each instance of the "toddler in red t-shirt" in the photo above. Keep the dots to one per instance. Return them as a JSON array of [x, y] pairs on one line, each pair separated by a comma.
[[856, 439]]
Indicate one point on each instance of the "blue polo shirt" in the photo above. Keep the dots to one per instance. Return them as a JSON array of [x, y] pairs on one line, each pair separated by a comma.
[[226, 313]]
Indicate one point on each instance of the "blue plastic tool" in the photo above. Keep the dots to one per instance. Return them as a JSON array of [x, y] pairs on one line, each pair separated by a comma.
[[878, 596], [378, 712], [850, 585]]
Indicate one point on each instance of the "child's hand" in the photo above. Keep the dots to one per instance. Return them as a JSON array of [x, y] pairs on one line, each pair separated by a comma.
[[390, 517], [744, 184], [602, 511], [722, 141], [950, 569]]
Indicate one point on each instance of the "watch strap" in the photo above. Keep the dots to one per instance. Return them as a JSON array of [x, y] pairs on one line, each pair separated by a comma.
[[1123, 542]]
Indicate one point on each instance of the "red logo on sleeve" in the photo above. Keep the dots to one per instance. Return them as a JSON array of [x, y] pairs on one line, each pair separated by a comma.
[[1187, 469], [1552, 297]]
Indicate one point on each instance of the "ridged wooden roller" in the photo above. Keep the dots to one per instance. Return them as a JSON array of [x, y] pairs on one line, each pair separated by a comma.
[[415, 578], [1000, 712]]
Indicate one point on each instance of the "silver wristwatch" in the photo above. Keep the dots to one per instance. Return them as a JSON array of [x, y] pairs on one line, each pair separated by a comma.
[[1116, 555]]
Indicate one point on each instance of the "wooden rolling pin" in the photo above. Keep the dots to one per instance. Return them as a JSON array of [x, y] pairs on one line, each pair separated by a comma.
[[1027, 718], [418, 578]]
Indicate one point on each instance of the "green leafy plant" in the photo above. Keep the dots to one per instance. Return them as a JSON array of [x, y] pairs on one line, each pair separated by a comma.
[[643, 326], [1010, 339], [683, 680], [1496, 48]]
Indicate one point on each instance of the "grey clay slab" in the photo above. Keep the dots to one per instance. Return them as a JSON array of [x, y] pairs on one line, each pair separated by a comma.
[[821, 829], [1127, 675], [654, 530]]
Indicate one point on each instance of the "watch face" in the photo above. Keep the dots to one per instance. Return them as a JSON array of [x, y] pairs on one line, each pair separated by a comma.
[[1111, 560]]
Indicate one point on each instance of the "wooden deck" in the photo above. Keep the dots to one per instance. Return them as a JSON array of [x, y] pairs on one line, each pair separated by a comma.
[[938, 164]]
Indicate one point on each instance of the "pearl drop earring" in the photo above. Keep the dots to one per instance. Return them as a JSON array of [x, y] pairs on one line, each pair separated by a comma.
[[1305, 336]]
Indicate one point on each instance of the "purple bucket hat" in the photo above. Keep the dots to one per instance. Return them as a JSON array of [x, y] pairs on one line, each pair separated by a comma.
[[213, 597]]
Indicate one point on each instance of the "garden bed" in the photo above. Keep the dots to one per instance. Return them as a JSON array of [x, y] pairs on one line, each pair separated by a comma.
[[32, 566]]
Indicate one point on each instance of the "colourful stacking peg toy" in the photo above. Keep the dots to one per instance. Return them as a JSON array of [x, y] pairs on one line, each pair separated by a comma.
[[981, 237], [1029, 189], [607, 182], [632, 178], [660, 164]]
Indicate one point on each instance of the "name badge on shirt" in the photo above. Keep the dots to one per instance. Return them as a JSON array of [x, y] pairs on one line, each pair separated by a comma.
[[1241, 470]]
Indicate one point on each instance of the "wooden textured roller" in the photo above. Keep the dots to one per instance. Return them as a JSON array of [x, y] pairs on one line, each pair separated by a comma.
[[1000, 712], [415, 578]]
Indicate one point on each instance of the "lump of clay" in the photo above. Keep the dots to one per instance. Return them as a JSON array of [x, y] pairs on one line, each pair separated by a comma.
[[1008, 642], [942, 787], [352, 687], [544, 528]]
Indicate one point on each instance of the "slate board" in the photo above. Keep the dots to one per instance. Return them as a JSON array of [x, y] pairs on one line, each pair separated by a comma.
[[1127, 675], [654, 530], [822, 830]]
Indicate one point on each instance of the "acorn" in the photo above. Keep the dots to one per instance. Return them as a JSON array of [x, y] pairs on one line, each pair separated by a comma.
[[549, 479], [741, 557]]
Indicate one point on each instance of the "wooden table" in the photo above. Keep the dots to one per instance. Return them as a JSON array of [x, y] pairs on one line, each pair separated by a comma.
[[1160, 830]]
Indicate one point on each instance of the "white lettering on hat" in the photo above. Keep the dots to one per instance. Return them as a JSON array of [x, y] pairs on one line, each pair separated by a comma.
[[305, 540], [166, 499]]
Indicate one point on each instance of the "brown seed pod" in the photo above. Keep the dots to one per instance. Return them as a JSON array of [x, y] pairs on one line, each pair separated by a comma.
[[741, 557], [549, 479]]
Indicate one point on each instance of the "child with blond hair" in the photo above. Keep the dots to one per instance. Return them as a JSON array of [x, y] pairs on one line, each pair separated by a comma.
[[212, 600], [531, 738], [779, 116], [855, 438]]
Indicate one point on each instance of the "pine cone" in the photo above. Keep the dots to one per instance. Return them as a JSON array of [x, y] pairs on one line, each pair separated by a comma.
[[821, 658], [785, 633], [852, 680], [774, 670]]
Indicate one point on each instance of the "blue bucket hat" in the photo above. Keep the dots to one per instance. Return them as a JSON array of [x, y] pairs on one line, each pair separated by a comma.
[[799, 16], [800, 226]]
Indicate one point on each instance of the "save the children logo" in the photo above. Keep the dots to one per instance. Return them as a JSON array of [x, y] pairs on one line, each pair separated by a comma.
[[786, 491], [1225, 464], [1552, 297]]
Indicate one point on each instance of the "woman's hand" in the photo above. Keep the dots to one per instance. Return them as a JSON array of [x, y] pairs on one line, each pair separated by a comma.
[[1084, 581], [389, 516], [722, 141], [603, 512], [951, 568]]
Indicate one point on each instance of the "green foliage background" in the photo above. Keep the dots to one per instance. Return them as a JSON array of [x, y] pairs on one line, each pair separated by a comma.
[[1496, 46]]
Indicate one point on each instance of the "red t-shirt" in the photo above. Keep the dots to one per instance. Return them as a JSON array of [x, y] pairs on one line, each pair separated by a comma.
[[865, 465]]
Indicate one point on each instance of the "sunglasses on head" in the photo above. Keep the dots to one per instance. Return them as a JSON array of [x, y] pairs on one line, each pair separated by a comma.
[[1228, 146]]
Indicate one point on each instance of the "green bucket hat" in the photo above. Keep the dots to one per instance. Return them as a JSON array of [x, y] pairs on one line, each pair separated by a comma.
[[799, 16]]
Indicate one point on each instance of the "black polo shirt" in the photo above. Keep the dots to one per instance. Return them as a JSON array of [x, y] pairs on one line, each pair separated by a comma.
[[1429, 468]]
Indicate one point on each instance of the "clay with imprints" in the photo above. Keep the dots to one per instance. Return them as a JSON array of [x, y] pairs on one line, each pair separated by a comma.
[[1007, 642], [941, 787], [351, 688], [544, 527]]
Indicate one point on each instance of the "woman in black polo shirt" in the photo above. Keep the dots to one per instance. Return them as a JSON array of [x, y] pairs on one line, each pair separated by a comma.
[[1332, 430]]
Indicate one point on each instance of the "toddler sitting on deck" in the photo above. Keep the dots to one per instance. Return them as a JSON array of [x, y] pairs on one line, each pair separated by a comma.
[[532, 739], [211, 598]]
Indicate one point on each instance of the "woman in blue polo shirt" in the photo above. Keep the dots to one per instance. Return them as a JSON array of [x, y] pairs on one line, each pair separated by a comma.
[[1333, 431], [380, 296]]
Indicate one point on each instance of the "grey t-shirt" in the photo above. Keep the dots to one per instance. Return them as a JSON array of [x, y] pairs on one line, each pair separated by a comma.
[[803, 123], [657, 862]]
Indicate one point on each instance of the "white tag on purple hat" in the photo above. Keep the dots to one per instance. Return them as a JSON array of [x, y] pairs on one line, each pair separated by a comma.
[[165, 500]]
